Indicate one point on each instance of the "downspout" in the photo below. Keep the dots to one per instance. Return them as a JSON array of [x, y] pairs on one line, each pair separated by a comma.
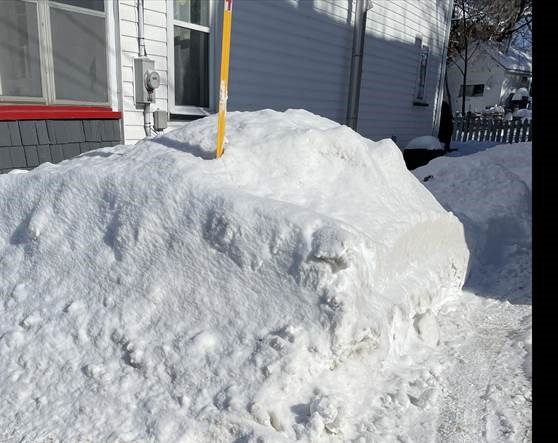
[[142, 53], [465, 64], [141, 39], [362, 7], [443, 83]]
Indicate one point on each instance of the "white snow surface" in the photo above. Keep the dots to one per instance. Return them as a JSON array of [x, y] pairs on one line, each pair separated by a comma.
[[486, 334], [490, 192], [525, 114], [520, 93], [425, 142], [149, 292]]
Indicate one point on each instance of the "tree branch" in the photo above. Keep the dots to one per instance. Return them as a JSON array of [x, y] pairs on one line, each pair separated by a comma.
[[458, 67]]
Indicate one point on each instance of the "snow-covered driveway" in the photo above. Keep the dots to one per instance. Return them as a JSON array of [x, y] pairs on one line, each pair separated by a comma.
[[486, 388], [486, 394]]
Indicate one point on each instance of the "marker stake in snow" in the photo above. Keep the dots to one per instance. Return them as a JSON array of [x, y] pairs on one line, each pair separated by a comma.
[[224, 80]]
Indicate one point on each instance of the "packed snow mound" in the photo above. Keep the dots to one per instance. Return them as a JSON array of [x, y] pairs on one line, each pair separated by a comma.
[[425, 142], [493, 200], [524, 114], [520, 94], [151, 292]]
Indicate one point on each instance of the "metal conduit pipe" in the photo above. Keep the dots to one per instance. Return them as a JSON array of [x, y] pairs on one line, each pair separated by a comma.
[[359, 33], [142, 53], [141, 39]]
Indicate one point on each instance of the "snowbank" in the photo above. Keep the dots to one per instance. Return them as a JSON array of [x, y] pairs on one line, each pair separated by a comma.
[[524, 114], [149, 292], [490, 192], [425, 142]]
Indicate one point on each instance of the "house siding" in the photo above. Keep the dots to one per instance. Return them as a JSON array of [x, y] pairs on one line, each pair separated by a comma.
[[28, 143], [155, 32], [390, 68], [481, 69], [296, 54]]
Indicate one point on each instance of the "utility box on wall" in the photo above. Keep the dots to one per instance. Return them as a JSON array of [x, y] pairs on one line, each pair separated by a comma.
[[160, 120], [146, 80]]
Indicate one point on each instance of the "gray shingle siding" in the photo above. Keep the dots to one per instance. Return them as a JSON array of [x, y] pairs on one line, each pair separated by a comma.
[[31, 156], [5, 139], [27, 143], [42, 132], [15, 136], [43, 152], [28, 132]]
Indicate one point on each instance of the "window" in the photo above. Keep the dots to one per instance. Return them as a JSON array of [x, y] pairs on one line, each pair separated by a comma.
[[472, 90], [421, 73], [54, 52], [20, 64], [189, 56]]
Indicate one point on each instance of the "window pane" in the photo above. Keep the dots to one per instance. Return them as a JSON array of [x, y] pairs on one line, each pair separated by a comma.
[[478, 90], [97, 5], [191, 67], [192, 11], [20, 64], [79, 53]]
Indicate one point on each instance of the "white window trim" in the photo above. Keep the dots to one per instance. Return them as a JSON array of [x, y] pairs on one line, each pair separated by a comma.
[[171, 22], [46, 54]]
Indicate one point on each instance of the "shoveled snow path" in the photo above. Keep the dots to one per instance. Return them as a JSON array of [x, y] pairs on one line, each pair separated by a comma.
[[486, 392]]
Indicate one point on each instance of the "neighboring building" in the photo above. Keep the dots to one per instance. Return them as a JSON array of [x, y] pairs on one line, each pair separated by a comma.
[[493, 77], [67, 67]]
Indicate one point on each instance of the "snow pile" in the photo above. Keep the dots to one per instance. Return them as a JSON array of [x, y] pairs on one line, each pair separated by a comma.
[[490, 192], [524, 114], [520, 94], [494, 110], [149, 292], [425, 142]]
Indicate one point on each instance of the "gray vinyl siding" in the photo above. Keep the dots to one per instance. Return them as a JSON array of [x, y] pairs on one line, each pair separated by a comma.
[[296, 54], [286, 55]]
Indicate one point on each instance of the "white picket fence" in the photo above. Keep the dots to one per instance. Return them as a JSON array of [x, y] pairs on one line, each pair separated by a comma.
[[489, 129]]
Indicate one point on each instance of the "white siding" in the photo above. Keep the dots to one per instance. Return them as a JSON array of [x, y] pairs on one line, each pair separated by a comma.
[[296, 54], [481, 69], [391, 59], [155, 31], [289, 54]]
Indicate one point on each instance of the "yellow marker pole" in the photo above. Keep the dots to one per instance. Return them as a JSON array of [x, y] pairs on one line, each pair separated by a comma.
[[224, 81]]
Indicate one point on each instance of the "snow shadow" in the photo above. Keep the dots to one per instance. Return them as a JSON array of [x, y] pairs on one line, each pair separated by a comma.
[[468, 148], [194, 150], [21, 233], [501, 269]]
